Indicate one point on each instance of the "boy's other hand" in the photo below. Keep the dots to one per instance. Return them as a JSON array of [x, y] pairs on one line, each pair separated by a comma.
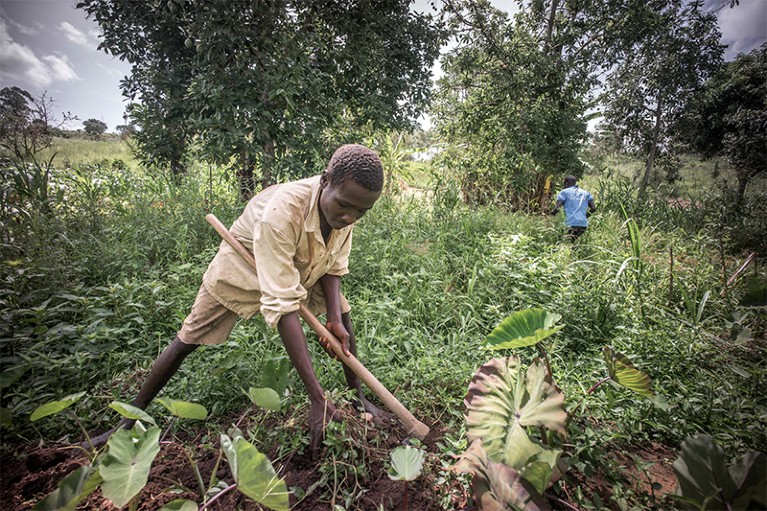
[[336, 328]]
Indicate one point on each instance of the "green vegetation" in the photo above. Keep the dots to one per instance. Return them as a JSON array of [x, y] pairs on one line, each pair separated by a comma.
[[101, 261]]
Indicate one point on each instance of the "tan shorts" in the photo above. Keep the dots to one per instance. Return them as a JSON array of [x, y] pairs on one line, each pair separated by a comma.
[[210, 322]]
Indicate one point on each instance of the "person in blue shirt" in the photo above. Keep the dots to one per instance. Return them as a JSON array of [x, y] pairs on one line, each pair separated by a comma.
[[578, 205]]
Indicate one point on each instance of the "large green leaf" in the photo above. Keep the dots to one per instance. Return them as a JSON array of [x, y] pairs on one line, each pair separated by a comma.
[[125, 468], [523, 328], [265, 398], [502, 400], [55, 407], [179, 505], [705, 482], [623, 372], [11, 376], [254, 474], [71, 490], [184, 409], [406, 463], [131, 412], [496, 485]]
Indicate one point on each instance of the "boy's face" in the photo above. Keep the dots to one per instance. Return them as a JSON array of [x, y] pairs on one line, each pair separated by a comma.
[[342, 205]]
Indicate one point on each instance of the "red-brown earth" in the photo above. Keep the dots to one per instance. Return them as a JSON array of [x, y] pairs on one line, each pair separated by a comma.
[[34, 471]]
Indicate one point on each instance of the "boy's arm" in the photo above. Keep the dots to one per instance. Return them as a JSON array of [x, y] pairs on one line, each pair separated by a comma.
[[294, 340], [331, 290], [320, 410], [556, 208]]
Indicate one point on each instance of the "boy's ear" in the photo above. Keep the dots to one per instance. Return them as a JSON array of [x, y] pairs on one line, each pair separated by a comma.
[[324, 179]]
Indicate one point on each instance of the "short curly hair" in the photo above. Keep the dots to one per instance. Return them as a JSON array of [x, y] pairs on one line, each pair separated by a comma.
[[356, 162]]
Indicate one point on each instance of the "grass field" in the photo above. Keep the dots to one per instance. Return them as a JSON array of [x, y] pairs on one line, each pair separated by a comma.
[[97, 280]]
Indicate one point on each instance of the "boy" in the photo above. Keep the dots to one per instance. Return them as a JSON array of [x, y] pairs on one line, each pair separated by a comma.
[[574, 200], [300, 234]]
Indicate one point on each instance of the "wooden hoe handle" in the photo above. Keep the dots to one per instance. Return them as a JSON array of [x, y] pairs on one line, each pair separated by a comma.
[[414, 427]]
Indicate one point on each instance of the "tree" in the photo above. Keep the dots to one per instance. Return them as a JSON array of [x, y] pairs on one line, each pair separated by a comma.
[[26, 123], [728, 117], [270, 85], [94, 128], [151, 37], [678, 49], [516, 92]]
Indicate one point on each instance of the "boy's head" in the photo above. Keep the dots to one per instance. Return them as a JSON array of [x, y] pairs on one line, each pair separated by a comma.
[[570, 181], [350, 186], [358, 163]]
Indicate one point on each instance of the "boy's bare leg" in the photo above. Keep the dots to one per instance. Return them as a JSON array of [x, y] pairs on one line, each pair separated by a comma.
[[162, 370]]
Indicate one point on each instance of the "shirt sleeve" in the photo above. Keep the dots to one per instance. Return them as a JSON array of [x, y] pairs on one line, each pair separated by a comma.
[[340, 264], [561, 196], [278, 277]]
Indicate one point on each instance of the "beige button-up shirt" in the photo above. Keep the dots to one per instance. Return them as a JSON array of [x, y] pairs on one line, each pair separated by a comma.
[[281, 226]]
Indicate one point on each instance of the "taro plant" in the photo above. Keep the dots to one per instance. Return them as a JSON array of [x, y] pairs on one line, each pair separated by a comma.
[[122, 467], [707, 483], [406, 464], [515, 417]]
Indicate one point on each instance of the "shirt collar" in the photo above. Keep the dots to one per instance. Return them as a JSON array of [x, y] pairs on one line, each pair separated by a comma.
[[312, 219]]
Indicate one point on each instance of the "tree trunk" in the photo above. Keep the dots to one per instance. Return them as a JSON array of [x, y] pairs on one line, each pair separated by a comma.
[[653, 149], [177, 169], [550, 25], [245, 177], [268, 163], [741, 193]]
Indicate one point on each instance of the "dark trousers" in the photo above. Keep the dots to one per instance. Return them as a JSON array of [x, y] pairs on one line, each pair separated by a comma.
[[573, 233]]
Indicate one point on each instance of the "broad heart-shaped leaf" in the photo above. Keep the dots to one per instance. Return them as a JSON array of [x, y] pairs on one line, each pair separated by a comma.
[[254, 474], [523, 328], [11, 376], [125, 468], [131, 412], [503, 400], [184, 409], [55, 407], [406, 463], [265, 398], [703, 476], [179, 505], [71, 490], [496, 485], [623, 372], [227, 445]]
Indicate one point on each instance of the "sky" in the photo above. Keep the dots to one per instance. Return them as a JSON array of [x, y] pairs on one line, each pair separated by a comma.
[[49, 46]]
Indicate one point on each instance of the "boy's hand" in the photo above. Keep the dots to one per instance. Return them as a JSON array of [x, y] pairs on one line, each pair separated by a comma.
[[320, 414], [336, 328]]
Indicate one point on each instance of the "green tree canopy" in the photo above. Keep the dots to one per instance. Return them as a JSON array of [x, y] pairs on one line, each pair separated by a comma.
[[27, 123], [269, 86], [729, 117], [676, 50], [94, 128]]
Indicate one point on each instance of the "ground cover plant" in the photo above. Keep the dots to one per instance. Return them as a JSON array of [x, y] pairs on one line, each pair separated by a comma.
[[101, 259]]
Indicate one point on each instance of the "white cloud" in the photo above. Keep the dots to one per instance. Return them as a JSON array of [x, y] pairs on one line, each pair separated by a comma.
[[60, 67], [24, 29], [744, 27], [73, 34], [18, 62], [111, 71]]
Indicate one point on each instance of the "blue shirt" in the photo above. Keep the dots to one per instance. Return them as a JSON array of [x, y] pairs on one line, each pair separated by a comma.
[[576, 202]]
